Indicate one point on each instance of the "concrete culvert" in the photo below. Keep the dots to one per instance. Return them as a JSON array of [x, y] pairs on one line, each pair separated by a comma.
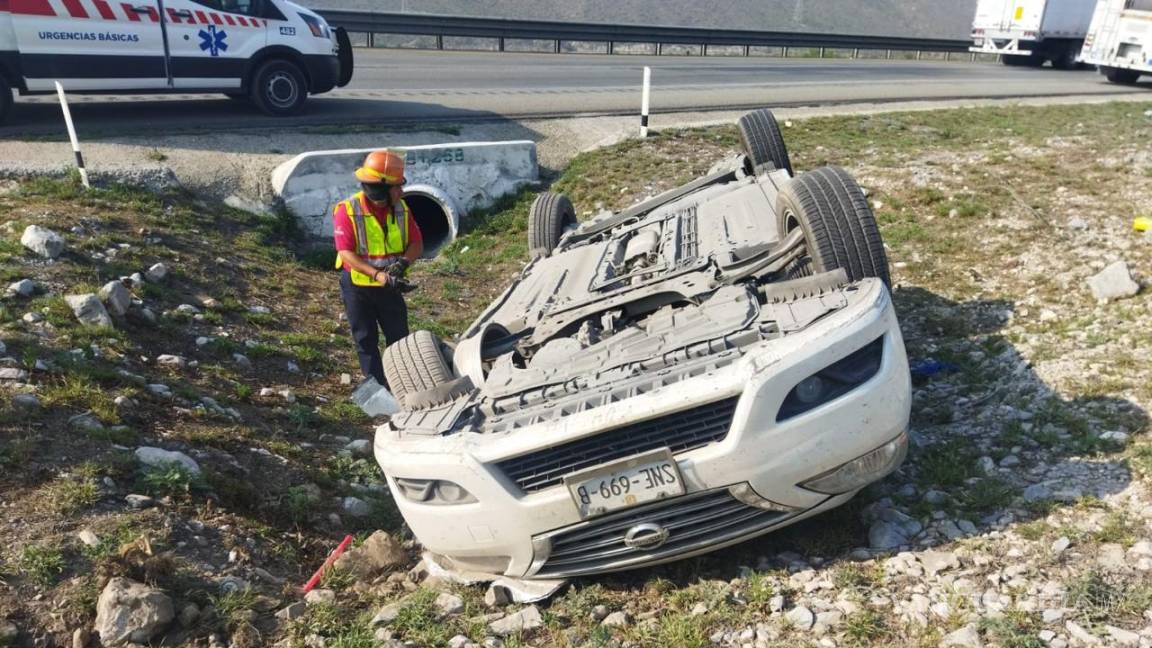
[[437, 215]]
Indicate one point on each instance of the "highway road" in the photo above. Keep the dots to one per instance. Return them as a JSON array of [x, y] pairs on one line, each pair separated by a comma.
[[410, 86]]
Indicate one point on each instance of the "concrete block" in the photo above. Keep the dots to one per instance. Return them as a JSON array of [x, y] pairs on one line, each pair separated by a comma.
[[445, 183]]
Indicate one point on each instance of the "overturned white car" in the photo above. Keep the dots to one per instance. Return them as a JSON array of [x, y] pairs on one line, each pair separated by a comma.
[[709, 365]]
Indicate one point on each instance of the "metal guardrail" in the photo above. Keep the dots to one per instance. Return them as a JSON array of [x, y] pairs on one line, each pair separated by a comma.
[[502, 29]]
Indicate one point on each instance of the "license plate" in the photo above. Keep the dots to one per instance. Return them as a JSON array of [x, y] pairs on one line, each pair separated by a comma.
[[644, 478]]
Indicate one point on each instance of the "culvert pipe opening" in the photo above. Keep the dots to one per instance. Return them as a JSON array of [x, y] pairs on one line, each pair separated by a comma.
[[436, 214]]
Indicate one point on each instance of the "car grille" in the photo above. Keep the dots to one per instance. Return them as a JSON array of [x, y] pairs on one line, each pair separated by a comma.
[[694, 523], [679, 432]]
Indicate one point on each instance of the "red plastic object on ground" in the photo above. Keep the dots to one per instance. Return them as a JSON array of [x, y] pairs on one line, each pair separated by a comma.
[[312, 582]]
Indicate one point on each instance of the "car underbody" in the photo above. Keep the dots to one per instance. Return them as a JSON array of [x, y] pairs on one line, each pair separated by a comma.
[[656, 381]]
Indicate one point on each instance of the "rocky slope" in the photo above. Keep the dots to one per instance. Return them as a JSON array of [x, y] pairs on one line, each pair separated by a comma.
[[174, 469]]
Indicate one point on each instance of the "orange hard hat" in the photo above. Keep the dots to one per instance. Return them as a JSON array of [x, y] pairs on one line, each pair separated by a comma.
[[382, 166]]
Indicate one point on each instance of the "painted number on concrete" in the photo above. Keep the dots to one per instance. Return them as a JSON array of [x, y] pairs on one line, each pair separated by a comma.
[[446, 156]]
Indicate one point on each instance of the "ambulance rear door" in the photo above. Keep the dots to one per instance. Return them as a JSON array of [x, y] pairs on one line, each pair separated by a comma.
[[90, 45], [211, 41]]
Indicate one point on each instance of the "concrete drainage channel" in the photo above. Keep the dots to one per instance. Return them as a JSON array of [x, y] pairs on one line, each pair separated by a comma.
[[446, 182]]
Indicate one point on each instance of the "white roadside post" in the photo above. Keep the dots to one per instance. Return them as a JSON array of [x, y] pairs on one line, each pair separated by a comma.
[[644, 101], [72, 135]]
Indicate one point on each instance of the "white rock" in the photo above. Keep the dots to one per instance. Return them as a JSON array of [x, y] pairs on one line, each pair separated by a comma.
[[360, 448], [89, 310], [156, 273], [293, 367], [25, 402], [1060, 544], [32, 318], [449, 603], [966, 637], [89, 538], [459, 641], [14, 374], [320, 597], [159, 457], [170, 360], [800, 618], [1113, 282], [618, 619], [527, 619], [116, 298], [886, 535], [129, 612], [1037, 492], [356, 507], [1051, 615], [203, 341], [986, 465], [161, 391], [935, 562], [1010, 461], [259, 310], [22, 288], [86, 423], [1080, 634], [1122, 637], [42, 241]]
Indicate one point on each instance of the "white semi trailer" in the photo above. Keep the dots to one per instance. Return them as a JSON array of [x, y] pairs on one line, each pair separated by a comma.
[[1120, 39], [1030, 32]]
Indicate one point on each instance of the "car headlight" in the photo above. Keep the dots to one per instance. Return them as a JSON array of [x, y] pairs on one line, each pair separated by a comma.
[[862, 470], [833, 381], [435, 492]]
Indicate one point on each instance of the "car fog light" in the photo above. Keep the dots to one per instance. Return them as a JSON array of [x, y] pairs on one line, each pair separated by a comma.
[[435, 492], [862, 470], [810, 389]]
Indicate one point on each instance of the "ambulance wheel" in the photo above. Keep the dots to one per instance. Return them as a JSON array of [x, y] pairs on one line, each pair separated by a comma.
[[5, 99], [1120, 75], [278, 88]]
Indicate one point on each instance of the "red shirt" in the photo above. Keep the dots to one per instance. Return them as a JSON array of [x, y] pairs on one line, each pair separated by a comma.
[[345, 234]]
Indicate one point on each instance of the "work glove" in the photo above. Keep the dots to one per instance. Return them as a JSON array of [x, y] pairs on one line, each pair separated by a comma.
[[398, 268], [403, 286]]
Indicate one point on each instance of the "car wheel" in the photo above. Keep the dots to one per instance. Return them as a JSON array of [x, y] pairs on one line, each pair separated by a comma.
[[839, 228], [5, 99], [278, 88], [762, 140], [418, 372], [1120, 75], [551, 213]]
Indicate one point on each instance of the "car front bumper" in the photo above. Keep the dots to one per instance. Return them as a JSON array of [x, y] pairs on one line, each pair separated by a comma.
[[741, 486]]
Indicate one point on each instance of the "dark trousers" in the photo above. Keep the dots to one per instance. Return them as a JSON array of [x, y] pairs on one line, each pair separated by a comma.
[[371, 310]]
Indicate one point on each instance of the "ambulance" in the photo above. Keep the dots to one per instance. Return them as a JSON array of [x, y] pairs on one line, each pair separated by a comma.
[[273, 53]]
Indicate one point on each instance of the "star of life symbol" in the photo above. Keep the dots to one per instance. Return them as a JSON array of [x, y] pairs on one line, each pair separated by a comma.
[[212, 41]]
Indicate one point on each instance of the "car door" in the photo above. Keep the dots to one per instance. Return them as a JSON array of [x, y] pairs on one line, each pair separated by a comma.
[[90, 44], [211, 41]]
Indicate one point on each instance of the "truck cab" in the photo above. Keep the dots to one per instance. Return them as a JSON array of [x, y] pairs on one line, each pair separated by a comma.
[[271, 52]]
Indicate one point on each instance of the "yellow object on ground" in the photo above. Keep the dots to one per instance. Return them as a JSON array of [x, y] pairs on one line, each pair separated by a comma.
[[1142, 224]]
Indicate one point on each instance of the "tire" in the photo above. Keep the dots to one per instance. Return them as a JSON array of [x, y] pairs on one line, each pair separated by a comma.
[[416, 364], [278, 88], [1065, 58], [551, 213], [1120, 75], [1022, 60], [762, 140], [5, 99], [839, 228]]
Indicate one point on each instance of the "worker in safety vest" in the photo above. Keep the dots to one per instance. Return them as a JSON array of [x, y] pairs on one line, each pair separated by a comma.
[[376, 240]]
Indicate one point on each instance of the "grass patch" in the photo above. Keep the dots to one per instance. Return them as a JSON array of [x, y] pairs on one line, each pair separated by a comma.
[[170, 480], [67, 496], [1015, 629], [42, 565], [1104, 598]]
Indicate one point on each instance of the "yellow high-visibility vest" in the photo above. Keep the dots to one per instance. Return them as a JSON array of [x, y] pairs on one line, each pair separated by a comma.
[[375, 244]]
